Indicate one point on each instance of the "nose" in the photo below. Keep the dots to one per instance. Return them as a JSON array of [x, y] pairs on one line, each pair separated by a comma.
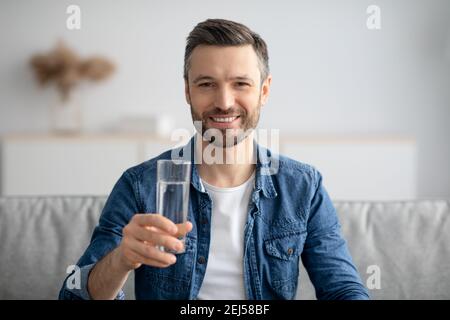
[[224, 98]]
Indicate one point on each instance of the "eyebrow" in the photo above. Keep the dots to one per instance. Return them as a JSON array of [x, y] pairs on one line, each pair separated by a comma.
[[204, 77]]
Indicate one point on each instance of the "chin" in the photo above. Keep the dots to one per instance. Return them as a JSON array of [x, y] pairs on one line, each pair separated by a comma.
[[226, 141]]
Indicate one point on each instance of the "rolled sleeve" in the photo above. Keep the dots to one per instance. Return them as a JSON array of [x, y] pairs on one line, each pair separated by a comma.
[[117, 212], [82, 293], [326, 256]]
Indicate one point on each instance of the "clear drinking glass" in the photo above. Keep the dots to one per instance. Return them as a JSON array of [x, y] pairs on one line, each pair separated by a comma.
[[172, 191]]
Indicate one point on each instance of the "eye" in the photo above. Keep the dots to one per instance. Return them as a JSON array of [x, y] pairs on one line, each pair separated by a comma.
[[206, 84], [242, 84]]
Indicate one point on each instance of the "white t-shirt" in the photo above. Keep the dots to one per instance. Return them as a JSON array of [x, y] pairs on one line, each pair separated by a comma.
[[224, 278]]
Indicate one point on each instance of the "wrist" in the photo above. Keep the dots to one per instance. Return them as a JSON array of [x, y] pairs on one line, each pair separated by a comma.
[[120, 262]]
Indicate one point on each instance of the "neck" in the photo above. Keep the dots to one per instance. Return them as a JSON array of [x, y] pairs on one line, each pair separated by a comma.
[[226, 167]]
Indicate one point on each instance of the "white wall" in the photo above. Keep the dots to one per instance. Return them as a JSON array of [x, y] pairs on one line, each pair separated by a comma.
[[331, 74]]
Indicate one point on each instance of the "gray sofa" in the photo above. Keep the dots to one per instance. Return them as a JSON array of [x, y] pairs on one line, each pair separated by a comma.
[[402, 249]]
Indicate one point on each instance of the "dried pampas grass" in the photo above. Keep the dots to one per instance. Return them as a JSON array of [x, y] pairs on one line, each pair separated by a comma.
[[64, 67]]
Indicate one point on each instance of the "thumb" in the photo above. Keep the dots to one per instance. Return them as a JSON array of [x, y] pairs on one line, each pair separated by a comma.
[[184, 228]]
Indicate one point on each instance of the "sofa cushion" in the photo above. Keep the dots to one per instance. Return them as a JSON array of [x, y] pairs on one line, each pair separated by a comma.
[[40, 237], [407, 242]]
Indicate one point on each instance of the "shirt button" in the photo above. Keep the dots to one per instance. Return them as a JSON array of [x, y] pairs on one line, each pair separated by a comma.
[[290, 251], [204, 221], [201, 260]]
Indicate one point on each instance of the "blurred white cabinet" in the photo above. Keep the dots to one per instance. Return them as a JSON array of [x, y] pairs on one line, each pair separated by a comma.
[[71, 165], [352, 168], [361, 169]]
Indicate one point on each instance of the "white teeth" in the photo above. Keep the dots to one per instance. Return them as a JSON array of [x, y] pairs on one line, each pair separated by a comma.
[[224, 119]]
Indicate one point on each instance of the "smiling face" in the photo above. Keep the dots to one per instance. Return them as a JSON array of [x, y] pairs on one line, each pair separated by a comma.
[[224, 90]]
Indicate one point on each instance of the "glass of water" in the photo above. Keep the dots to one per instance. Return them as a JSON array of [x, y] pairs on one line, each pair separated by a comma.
[[172, 191]]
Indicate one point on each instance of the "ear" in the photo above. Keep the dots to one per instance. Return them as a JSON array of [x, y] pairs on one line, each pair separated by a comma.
[[265, 89], [186, 92]]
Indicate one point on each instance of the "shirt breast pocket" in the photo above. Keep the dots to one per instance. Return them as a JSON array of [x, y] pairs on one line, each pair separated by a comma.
[[283, 253]]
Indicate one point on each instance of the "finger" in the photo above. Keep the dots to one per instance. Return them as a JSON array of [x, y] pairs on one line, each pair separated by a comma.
[[158, 238], [156, 220], [150, 252], [147, 261], [183, 229]]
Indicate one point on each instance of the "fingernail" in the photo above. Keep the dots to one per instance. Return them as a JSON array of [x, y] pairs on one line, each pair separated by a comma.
[[173, 259]]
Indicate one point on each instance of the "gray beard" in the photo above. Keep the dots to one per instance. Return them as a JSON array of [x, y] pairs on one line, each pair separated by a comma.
[[228, 139]]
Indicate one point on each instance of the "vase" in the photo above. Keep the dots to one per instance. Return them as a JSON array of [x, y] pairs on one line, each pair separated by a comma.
[[66, 115]]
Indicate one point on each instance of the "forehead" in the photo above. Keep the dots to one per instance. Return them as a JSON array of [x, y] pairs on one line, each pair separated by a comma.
[[224, 61]]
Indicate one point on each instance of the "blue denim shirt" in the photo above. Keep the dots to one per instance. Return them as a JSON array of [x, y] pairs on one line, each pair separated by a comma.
[[290, 217]]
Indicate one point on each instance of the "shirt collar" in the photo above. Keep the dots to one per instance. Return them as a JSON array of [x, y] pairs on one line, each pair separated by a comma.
[[266, 167]]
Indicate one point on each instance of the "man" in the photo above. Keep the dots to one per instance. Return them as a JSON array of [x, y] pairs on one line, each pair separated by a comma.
[[250, 221]]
